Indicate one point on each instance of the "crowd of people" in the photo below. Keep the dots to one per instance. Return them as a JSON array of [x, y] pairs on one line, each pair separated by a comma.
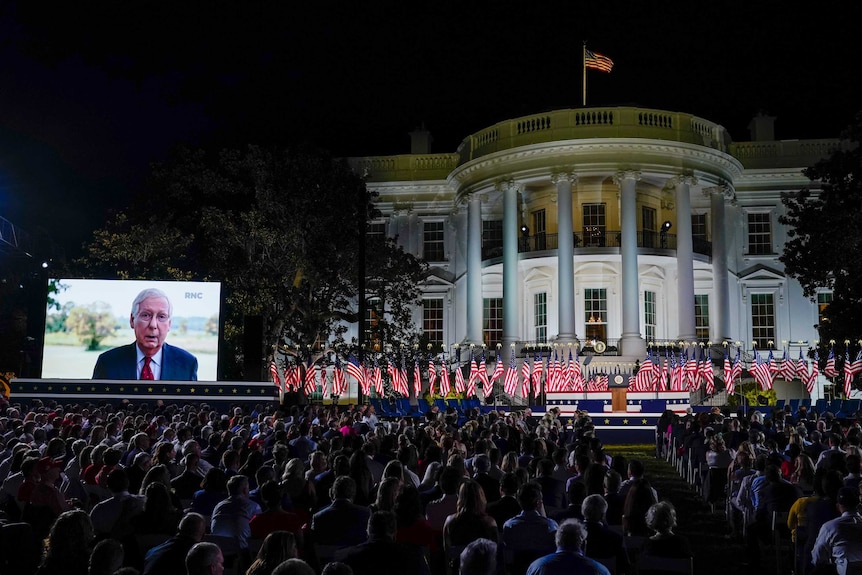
[[187, 489], [801, 468]]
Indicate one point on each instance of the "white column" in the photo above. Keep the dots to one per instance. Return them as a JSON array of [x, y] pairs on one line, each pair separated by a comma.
[[631, 343], [510, 263], [565, 257], [721, 305], [474, 269], [684, 257]]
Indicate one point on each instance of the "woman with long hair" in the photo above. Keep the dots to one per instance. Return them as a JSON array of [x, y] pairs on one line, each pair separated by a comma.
[[361, 474], [299, 489], [165, 454], [68, 546], [279, 546], [470, 520], [159, 515], [387, 494]]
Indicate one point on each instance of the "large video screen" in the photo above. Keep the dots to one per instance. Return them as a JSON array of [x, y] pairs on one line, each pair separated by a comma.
[[92, 330]]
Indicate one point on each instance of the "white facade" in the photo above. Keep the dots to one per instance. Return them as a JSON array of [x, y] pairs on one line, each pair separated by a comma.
[[552, 220]]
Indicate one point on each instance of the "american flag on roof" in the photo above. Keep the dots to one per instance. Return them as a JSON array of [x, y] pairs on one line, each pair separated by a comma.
[[596, 61]]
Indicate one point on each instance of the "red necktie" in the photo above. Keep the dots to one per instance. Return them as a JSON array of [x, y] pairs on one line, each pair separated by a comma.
[[146, 372]]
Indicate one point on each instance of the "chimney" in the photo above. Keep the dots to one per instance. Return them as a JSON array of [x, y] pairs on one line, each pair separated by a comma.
[[762, 128], [420, 141]]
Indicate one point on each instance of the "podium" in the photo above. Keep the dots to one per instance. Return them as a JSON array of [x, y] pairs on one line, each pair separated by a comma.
[[618, 385]]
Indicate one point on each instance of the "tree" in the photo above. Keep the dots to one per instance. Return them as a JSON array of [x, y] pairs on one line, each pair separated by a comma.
[[825, 236], [279, 228], [92, 323]]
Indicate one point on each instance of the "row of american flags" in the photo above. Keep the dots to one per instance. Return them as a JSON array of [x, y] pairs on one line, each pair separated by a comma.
[[677, 371], [534, 375]]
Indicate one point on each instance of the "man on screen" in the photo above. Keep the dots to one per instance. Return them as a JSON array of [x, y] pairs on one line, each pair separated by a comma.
[[149, 357]]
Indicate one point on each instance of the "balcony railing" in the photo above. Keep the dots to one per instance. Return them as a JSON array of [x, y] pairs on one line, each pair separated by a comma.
[[595, 238]]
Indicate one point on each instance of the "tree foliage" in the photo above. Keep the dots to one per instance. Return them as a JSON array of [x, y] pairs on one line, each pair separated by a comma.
[[825, 236], [92, 323], [279, 228]]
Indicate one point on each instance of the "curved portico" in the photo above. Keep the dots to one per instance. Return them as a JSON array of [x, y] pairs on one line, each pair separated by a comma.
[[633, 183]]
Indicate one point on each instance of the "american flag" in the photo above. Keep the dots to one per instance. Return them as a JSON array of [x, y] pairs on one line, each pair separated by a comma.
[[788, 367], [499, 370], [761, 372], [291, 377], [487, 386], [417, 377], [558, 374], [377, 378], [736, 373], [728, 373], [706, 372], [402, 378], [774, 366], [432, 375], [596, 61], [536, 376], [459, 374], [811, 380], [675, 374], [661, 379], [392, 372], [445, 386], [851, 369], [356, 371], [474, 377], [339, 382], [510, 384], [644, 377], [692, 371], [273, 371], [323, 381], [310, 378], [526, 374], [577, 375], [829, 369], [802, 370]]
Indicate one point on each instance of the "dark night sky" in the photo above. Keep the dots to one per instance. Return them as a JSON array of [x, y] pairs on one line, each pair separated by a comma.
[[91, 93]]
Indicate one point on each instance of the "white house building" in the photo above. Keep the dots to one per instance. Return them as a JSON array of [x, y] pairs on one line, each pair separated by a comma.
[[609, 228]]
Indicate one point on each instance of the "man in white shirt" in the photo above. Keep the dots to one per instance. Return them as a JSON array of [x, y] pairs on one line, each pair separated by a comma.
[[839, 541]]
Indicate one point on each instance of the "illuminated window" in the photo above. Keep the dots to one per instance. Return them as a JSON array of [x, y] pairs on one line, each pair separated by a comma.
[[540, 307], [759, 233], [432, 321], [373, 327], [596, 313], [492, 321], [701, 316], [824, 298], [433, 248], [762, 319], [376, 228], [649, 315], [594, 224]]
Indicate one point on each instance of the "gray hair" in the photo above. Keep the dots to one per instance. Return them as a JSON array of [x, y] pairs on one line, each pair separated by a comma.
[[148, 293], [571, 535], [661, 517], [594, 507], [479, 558], [200, 557]]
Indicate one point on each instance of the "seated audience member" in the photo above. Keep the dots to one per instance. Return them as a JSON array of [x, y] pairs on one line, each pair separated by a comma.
[[205, 559], [212, 492], [839, 541], [187, 483], [438, 510], [529, 534], [341, 522], [232, 516], [381, 554], [277, 547], [293, 567], [159, 514], [136, 472], [273, 517], [612, 483], [69, 544], [479, 558], [107, 557], [413, 528], [575, 494], [569, 556], [602, 541], [661, 518], [113, 516], [470, 520], [507, 505], [169, 557]]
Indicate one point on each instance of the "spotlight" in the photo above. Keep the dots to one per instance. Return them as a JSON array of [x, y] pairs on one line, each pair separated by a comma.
[[666, 225], [44, 265]]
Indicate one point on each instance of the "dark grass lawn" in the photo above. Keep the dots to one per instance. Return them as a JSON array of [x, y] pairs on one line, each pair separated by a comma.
[[713, 552]]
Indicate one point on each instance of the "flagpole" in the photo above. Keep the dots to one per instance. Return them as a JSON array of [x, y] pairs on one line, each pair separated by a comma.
[[584, 67]]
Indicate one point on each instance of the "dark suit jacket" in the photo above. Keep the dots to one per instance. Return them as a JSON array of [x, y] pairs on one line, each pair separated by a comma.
[[503, 509], [341, 523], [119, 363], [381, 557], [603, 541]]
